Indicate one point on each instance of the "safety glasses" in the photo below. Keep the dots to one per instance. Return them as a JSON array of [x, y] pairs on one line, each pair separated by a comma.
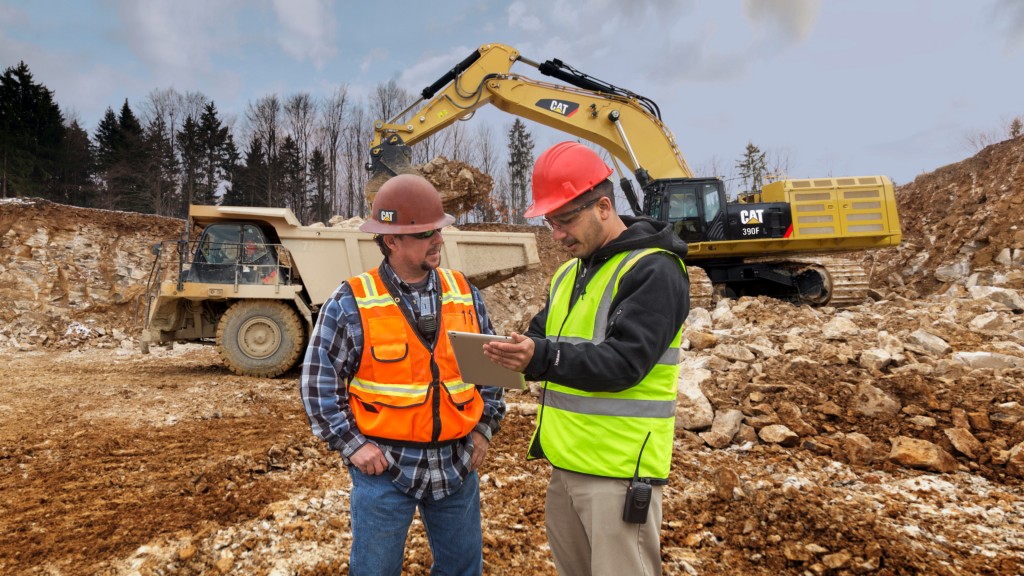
[[424, 235], [564, 220]]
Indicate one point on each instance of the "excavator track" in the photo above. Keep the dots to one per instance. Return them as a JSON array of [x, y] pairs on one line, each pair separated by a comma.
[[849, 281], [841, 281]]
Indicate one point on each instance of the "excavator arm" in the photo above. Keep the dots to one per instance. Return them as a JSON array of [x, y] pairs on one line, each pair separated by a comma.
[[625, 124]]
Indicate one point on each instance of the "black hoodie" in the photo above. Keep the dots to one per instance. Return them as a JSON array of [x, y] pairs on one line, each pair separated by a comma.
[[652, 302]]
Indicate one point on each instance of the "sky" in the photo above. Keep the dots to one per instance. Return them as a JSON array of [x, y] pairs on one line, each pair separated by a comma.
[[841, 88]]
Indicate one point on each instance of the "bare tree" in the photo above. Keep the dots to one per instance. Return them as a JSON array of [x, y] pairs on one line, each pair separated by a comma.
[[777, 165], [976, 141], [388, 100], [193, 103], [300, 113], [716, 167], [264, 118], [332, 124], [483, 153], [354, 157]]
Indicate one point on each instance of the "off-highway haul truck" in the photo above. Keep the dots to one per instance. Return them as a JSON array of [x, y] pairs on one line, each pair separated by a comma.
[[254, 279]]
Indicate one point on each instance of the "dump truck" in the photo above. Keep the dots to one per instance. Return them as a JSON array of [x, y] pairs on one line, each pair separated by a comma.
[[794, 239], [251, 280]]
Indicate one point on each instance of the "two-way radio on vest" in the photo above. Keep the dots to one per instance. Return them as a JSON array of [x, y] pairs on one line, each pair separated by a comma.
[[638, 494]]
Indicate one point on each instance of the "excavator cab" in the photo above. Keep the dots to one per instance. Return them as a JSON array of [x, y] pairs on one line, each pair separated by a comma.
[[695, 207]]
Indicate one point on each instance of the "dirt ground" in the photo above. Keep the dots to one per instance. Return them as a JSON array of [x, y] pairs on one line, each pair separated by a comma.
[[118, 463], [114, 462]]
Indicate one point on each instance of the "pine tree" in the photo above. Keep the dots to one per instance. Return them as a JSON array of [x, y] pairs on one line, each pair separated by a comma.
[[292, 185], [108, 145], [31, 136], [131, 180], [752, 168], [232, 167], [213, 138], [520, 168], [191, 153], [319, 179], [249, 184], [76, 174], [161, 172]]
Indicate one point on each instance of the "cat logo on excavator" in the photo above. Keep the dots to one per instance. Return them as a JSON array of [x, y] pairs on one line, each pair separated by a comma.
[[751, 217]]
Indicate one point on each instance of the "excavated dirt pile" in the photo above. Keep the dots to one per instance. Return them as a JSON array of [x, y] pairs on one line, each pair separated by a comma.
[[882, 438], [962, 222]]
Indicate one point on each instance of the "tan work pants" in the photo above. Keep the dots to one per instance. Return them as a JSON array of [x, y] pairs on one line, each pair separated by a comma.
[[583, 517]]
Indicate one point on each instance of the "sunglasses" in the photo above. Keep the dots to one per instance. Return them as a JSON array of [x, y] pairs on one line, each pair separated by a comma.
[[564, 220], [424, 235]]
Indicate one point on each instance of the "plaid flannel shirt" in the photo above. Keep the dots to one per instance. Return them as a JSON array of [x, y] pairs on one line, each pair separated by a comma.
[[332, 359]]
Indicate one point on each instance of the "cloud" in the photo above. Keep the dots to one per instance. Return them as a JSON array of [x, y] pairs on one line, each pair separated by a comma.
[[427, 71], [177, 39], [373, 56], [1009, 15], [11, 16], [307, 29], [788, 20]]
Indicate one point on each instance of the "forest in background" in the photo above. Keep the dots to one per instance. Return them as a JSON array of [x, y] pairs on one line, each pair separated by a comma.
[[175, 149], [304, 153]]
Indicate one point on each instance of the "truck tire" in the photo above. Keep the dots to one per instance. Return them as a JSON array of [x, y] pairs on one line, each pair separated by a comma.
[[260, 338]]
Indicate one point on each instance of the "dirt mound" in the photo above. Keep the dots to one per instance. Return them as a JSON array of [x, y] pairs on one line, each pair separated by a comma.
[[961, 221]]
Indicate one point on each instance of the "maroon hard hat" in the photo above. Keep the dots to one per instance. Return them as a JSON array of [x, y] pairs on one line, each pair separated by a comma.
[[406, 204]]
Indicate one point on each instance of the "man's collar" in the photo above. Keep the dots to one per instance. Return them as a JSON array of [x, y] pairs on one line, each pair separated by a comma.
[[402, 284]]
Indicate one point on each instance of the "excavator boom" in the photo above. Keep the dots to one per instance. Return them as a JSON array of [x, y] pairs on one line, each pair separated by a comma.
[[592, 110]]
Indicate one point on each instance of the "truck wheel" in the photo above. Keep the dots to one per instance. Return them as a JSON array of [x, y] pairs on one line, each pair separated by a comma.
[[260, 338]]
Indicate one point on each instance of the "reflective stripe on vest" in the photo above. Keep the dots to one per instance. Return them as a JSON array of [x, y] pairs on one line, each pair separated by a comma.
[[602, 433], [391, 391]]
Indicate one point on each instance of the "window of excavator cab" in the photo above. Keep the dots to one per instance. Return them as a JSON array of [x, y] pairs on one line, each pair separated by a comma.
[[712, 202], [682, 204]]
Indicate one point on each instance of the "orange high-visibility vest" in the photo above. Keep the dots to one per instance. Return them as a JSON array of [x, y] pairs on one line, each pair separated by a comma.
[[394, 394]]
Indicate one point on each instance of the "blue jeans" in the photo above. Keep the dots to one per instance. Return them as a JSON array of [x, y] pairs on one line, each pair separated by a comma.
[[381, 515]]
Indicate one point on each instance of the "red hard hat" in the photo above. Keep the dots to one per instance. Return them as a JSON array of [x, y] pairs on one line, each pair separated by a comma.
[[562, 173], [406, 204]]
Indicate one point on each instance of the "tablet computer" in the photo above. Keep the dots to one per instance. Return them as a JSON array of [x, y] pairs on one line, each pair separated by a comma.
[[477, 368]]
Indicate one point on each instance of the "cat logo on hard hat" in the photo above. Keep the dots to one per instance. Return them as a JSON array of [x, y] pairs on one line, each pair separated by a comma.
[[386, 216]]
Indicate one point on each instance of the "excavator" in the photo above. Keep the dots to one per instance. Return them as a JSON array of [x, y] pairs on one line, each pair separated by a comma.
[[793, 239]]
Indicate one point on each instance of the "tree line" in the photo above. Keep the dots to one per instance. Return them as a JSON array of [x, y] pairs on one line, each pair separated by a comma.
[[175, 149]]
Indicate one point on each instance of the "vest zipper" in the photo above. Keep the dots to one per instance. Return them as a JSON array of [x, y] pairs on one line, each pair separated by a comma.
[[435, 402]]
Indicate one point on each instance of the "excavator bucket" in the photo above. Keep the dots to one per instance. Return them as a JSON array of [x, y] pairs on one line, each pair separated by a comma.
[[390, 158]]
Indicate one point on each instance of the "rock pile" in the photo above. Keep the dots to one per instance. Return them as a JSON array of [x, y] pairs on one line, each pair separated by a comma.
[[961, 223], [934, 384]]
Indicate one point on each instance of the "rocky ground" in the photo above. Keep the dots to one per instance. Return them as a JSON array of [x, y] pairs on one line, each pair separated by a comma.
[[883, 438]]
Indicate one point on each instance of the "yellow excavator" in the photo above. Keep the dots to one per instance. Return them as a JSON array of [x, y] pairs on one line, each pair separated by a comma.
[[792, 239]]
